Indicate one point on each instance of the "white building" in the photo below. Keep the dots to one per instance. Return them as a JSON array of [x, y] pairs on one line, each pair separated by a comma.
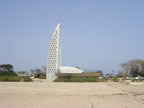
[[54, 58], [68, 69]]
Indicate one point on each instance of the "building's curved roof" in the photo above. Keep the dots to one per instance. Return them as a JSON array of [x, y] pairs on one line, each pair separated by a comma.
[[68, 69]]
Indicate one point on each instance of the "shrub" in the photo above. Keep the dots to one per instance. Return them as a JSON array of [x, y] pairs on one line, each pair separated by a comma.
[[78, 79], [101, 79], [14, 79], [42, 77], [26, 79], [7, 73], [3, 79], [137, 80], [10, 79], [115, 79]]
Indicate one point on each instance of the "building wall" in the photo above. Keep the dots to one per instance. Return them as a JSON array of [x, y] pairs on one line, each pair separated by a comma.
[[68, 69]]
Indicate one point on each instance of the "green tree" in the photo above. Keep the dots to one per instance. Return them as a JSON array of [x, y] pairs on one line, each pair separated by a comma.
[[39, 73], [134, 67], [120, 74], [7, 70], [6, 67]]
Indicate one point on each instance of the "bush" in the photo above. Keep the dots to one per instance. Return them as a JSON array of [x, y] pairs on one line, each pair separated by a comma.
[[91, 79], [78, 79], [10, 79], [137, 80], [26, 79], [42, 77], [115, 79], [101, 79], [14, 79], [7, 73]]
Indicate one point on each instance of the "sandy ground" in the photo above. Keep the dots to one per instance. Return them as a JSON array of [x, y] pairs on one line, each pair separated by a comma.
[[70, 95]]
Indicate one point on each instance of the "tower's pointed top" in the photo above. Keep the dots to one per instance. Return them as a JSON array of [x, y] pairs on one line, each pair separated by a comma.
[[58, 26], [59, 23]]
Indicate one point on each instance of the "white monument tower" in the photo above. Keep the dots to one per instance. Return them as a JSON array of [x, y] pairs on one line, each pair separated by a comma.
[[54, 55], [54, 58]]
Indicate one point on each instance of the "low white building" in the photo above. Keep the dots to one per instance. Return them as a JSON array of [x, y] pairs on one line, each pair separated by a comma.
[[68, 69]]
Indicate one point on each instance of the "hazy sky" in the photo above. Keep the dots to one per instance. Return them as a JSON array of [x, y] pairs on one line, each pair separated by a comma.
[[96, 34]]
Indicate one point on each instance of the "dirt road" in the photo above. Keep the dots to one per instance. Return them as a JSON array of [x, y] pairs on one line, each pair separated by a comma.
[[70, 95]]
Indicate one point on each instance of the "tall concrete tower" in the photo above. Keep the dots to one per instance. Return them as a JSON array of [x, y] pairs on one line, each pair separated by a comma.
[[54, 55]]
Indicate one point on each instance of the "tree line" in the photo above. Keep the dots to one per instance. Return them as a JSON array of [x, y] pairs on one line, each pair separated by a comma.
[[132, 68]]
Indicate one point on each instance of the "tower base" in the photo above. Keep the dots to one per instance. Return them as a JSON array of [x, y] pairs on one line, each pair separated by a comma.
[[51, 76]]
